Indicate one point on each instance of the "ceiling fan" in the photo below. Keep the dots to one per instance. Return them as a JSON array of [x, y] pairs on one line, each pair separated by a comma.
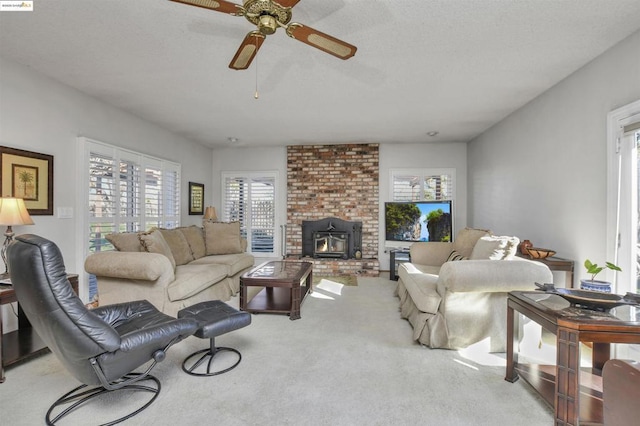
[[268, 16]]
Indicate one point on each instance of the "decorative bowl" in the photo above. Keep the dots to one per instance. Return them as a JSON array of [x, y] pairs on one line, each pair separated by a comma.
[[594, 300], [540, 253]]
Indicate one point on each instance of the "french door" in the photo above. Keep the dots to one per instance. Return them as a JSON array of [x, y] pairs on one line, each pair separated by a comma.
[[623, 217], [624, 192]]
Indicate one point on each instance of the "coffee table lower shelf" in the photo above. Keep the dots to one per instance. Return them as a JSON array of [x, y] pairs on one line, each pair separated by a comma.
[[274, 300]]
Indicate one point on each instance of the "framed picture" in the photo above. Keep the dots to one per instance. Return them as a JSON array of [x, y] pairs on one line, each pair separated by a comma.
[[196, 198], [28, 175]]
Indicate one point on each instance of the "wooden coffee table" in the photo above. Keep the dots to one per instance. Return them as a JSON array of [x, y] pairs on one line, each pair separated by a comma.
[[283, 291], [575, 393]]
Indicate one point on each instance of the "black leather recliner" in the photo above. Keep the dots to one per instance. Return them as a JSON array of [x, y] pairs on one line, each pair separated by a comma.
[[100, 347]]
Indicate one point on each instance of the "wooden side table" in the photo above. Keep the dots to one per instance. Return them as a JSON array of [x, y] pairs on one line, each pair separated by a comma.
[[575, 393], [557, 264], [23, 343]]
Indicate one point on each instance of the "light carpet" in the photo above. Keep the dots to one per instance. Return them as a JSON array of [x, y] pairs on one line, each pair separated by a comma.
[[350, 280], [349, 360]]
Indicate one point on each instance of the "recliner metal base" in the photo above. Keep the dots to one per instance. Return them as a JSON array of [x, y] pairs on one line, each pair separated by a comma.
[[80, 396], [208, 353]]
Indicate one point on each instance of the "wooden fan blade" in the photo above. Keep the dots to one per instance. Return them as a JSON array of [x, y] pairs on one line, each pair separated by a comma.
[[217, 5], [286, 3], [322, 41], [247, 50]]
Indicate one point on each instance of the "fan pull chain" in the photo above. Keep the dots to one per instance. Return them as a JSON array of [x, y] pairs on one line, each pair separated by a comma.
[[256, 95]]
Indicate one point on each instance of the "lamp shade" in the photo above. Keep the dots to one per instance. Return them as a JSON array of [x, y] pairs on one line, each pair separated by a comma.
[[210, 213], [14, 212]]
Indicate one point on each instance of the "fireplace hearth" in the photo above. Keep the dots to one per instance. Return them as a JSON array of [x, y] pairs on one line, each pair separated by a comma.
[[331, 238]]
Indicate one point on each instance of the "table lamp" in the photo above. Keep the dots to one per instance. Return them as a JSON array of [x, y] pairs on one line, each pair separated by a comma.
[[210, 214], [12, 212]]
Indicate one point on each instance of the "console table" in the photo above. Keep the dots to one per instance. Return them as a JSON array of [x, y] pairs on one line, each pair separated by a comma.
[[24, 342], [575, 393], [557, 264]]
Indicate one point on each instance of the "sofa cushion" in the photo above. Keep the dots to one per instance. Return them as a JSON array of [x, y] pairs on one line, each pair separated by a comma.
[[494, 247], [178, 245], [466, 240], [125, 241], [222, 238], [195, 238], [154, 242], [128, 265], [192, 279], [421, 286], [233, 262]]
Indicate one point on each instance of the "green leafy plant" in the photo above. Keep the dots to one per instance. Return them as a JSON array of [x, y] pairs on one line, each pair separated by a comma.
[[594, 269]]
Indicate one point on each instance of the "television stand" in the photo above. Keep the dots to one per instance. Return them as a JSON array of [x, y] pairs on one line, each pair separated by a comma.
[[397, 257]]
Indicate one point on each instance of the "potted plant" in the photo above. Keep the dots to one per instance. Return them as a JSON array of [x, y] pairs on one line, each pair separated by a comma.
[[594, 269]]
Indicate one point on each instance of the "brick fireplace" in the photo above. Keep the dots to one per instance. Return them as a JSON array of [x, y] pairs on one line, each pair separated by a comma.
[[334, 181]]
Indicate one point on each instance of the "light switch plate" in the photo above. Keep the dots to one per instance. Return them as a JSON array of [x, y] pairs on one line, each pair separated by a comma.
[[65, 212]]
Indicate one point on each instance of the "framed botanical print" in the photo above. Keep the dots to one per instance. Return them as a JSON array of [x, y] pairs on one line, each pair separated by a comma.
[[196, 198], [28, 175]]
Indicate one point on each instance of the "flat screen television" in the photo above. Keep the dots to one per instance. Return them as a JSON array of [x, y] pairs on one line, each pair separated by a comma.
[[418, 221]]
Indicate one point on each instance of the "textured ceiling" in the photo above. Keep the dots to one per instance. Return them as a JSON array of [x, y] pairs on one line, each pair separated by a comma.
[[452, 66]]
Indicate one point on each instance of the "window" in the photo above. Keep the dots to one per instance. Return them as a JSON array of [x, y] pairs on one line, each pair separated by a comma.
[[127, 192], [250, 199], [624, 191], [623, 216], [422, 185]]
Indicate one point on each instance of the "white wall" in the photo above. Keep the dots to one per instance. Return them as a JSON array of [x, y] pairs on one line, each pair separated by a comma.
[[42, 115], [392, 156], [541, 173]]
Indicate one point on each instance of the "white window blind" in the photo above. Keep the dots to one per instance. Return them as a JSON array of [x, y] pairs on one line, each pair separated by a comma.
[[129, 192], [422, 185], [250, 200]]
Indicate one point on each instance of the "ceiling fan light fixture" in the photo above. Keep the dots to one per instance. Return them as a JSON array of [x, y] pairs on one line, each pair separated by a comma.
[[267, 24], [268, 16]]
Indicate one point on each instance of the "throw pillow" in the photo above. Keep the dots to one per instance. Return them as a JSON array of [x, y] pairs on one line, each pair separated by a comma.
[[466, 239], [153, 242], [178, 244], [125, 241], [494, 248], [195, 237], [512, 247], [222, 237], [454, 256]]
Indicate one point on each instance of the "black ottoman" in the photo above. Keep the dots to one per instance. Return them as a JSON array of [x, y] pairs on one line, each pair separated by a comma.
[[214, 319]]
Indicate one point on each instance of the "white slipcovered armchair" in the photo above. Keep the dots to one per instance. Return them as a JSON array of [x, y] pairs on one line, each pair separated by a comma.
[[455, 294]]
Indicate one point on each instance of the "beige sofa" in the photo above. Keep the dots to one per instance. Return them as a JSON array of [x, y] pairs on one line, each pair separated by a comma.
[[173, 268], [454, 294]]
